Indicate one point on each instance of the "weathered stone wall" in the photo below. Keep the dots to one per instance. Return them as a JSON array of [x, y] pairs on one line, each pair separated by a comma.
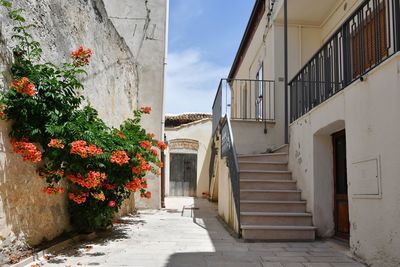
[[110, 87], [143, 25]]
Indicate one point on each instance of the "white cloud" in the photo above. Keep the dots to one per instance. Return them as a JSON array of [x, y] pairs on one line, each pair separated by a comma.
[[192, 82], [186, 10]]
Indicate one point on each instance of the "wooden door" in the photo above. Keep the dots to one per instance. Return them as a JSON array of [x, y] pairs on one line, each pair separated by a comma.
[[341, 206], [183, 174]]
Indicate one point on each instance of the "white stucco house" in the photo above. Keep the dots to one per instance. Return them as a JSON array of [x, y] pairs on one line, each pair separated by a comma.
[[337, 176], [188, 154]]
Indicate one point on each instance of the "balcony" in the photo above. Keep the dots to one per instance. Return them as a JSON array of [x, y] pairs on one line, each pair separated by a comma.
[[307, 12], [366, 39], [244, 99]]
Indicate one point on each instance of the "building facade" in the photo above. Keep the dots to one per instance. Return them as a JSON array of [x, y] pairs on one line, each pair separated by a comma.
[[343, 73], [144, 27], [188, 154]]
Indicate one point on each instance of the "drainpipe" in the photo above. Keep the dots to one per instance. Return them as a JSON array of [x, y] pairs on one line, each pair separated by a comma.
[[163, 102], [286, 71]]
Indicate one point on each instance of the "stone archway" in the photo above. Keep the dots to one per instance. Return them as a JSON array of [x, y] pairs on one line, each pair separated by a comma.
[[183, 145]]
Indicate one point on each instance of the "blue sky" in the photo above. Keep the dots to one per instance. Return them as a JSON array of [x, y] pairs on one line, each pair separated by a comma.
[[204, 36]]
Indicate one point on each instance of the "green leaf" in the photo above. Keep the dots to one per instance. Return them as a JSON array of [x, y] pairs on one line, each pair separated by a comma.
[[55, 111], [5, 3], [16, 15]]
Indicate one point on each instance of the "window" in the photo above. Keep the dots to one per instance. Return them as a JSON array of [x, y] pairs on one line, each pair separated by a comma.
[[244, 100], [369, 38]]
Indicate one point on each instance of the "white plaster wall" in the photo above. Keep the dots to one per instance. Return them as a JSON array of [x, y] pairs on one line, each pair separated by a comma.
[[337, 17], [255, 55], [261, 50], [303, 42], [143, 26], [249, 136], [267, 47], [226, 202], [201, 132], [309, 42], [369, 112]]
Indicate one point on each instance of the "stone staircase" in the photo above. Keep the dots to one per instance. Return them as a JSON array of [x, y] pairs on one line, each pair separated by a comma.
[[270, 202]]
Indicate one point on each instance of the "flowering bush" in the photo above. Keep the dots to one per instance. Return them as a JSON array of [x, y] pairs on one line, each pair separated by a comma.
[[28, 151], [51, 127], [24, 86]]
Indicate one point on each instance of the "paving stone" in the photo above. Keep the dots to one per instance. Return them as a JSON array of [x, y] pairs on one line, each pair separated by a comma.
[[268, 249], [276, 245], [272, 264], [232, 264], [167, 239], [326, 253], [284, 259], [263, 247], [353, 264], [301, 245], [298, 249], [232, 248], [293, 264], [329, 259], [292, 254], [316, 264], [322, 244], [244, 257]]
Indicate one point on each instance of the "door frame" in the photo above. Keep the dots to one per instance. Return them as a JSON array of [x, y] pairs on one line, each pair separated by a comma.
[[338, 235], [195, 172]]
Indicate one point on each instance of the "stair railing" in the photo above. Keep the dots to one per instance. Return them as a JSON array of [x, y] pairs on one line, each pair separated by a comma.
[[228, 150]]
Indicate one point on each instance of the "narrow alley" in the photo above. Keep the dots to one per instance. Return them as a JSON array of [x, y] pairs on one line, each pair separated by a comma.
[[189, 234]]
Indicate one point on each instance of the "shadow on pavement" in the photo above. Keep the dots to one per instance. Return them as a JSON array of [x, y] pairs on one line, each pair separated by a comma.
[[226, 250], [120, 231]]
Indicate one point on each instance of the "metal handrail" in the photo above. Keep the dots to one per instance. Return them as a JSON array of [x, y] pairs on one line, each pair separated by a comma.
[[228, 150], [244, 99], [217, 108], [345, 57]]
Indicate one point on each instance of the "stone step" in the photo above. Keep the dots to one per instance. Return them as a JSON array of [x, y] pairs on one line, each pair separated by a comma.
[[265, 175], [263, 166], [278, 233], [279, 195], [272, 206], [268, 157], [276, 218], [281, 149], [267, 184]]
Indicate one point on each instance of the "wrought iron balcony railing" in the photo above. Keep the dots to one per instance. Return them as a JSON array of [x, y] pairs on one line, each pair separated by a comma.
[[228, 150], [367, 38], [244, 99]]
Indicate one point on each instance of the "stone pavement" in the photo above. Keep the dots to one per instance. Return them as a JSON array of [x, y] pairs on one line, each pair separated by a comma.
[[192, 238]]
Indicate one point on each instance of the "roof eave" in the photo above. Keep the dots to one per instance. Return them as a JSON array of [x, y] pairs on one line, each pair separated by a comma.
[[252, 25]]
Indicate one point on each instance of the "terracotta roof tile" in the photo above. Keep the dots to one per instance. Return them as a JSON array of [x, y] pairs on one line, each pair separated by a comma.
[[185, 118]]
